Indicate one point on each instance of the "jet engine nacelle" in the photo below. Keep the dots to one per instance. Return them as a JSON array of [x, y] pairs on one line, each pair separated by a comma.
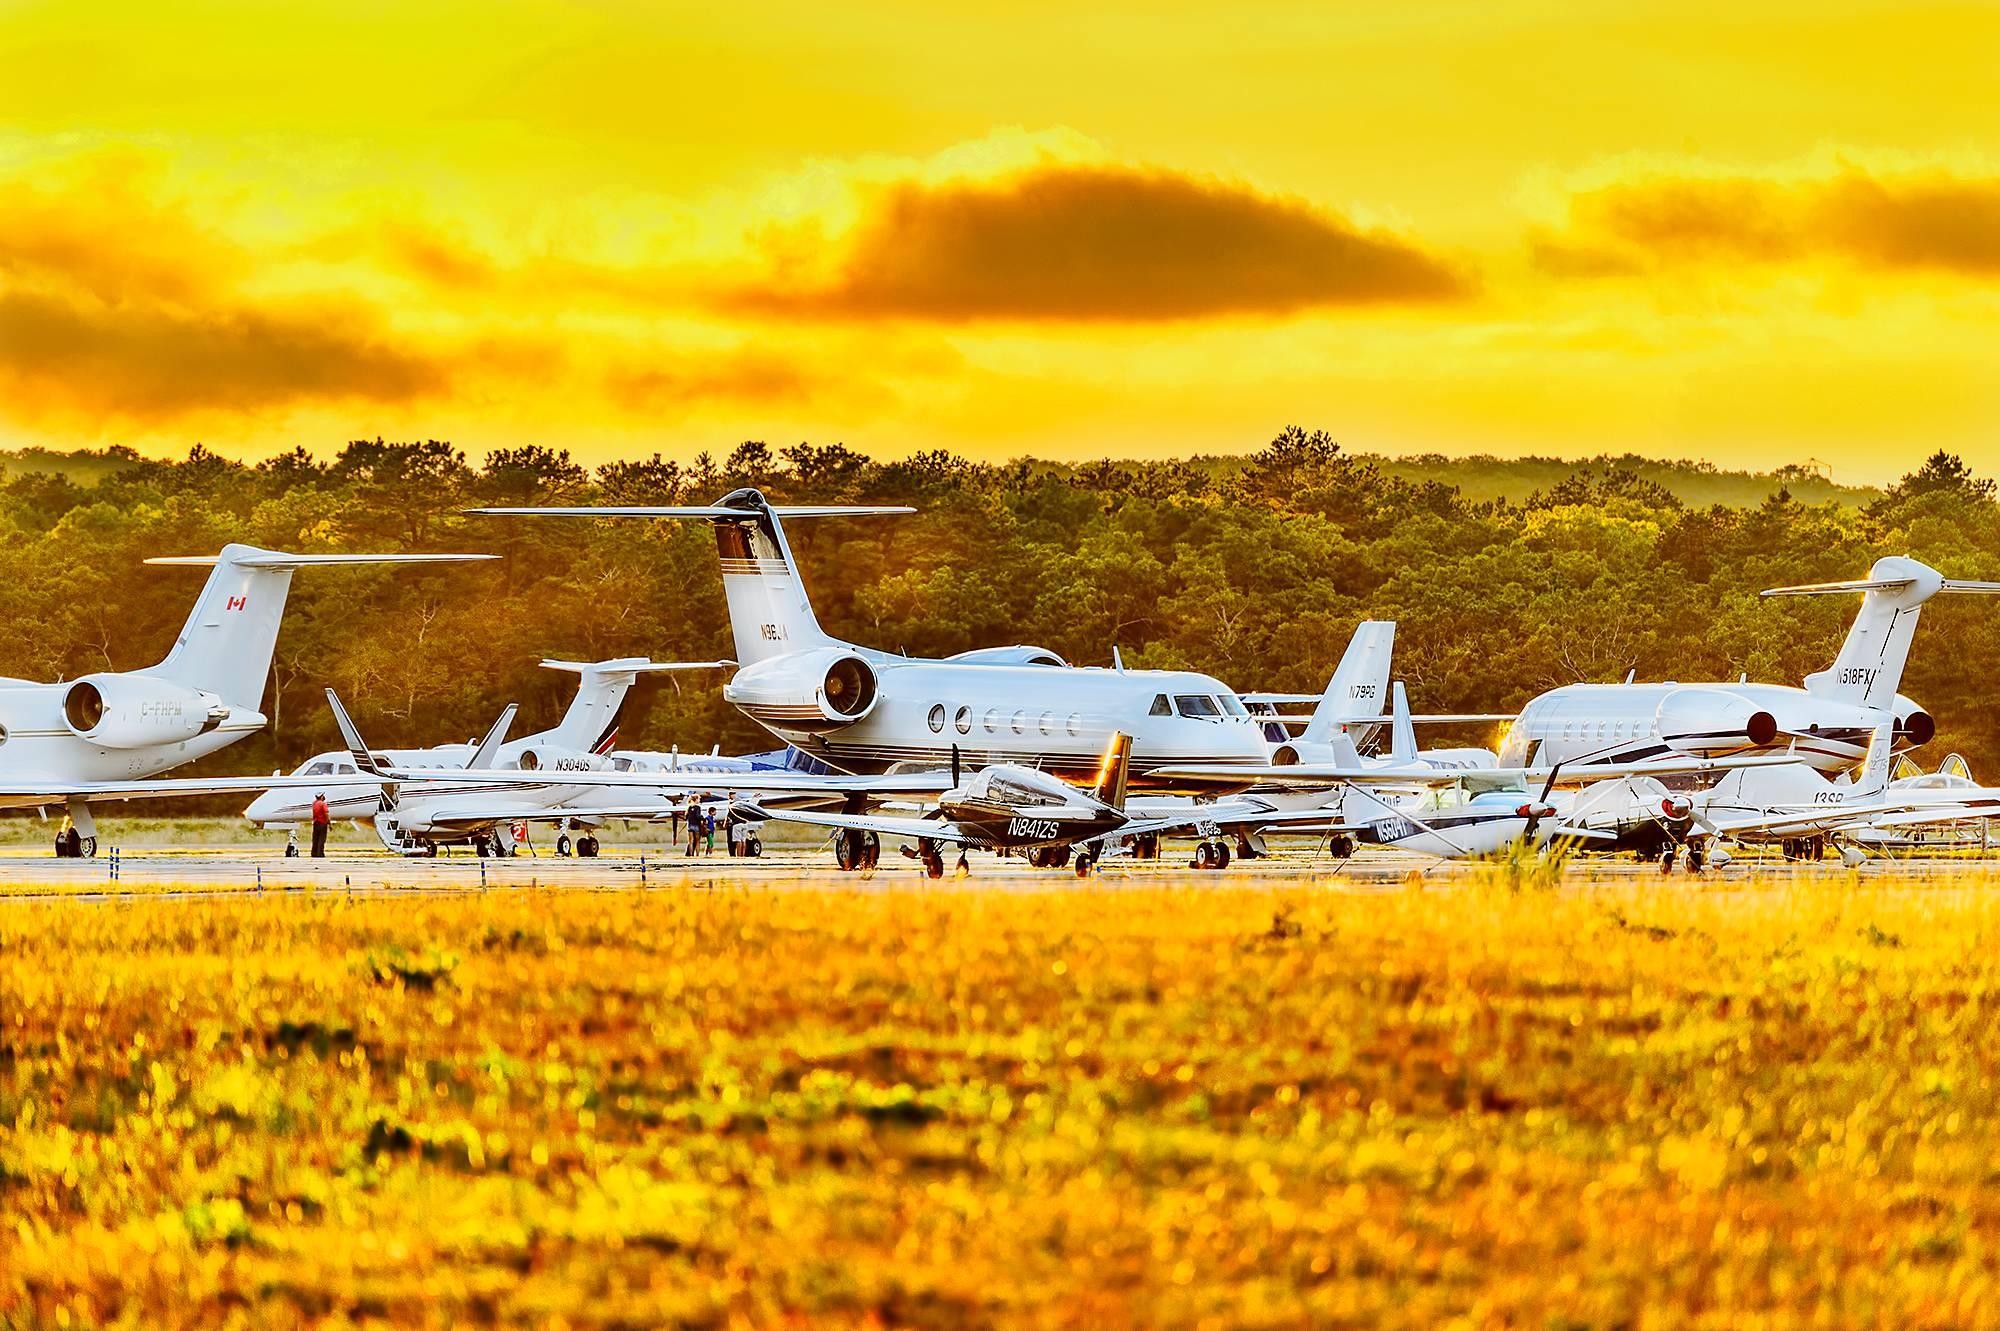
[[135, 711], [810, 691], [1019, 655], [550, 758], [1914, 725], [1698, 720]]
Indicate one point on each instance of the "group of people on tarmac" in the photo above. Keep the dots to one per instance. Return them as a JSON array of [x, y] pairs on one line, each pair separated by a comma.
[[701, 825]]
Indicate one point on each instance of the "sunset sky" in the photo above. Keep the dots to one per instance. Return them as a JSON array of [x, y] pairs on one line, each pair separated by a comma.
[[1756, 232]]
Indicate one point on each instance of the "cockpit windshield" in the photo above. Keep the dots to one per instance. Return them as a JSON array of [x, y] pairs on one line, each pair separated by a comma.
[[1197, 706], [1234, 705], [1010, 790]]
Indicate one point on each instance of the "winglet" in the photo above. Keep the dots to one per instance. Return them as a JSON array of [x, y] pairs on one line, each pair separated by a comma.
[[1110, 786], [351, 735], [488, 752]]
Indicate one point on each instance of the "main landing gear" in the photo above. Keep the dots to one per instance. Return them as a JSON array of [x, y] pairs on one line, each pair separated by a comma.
[[1211, 855], [856, 850], [1805, 848], [73, 845], [1697, 859], [1048, 857], [584, 847]]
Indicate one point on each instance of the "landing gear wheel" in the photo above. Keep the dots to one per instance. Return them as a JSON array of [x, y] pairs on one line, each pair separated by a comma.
[[69, 845], [1222, 854], [753, 847], [88, 850], [848, 850], [964, 869], [1340, 846], [1667, 860], [430, 850], [586, 848], [483, 846], [871, 850], [1696, 859], [562, 845], [933, 859], [1085, 862]]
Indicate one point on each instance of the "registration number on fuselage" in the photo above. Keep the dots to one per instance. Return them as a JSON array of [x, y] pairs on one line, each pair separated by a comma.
[[1032, 829]]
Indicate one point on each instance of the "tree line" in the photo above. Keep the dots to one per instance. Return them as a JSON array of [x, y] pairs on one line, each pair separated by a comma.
[[1254, 568]]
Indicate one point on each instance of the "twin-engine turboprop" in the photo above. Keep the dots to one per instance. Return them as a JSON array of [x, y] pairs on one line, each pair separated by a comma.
[[100, 737], [1827, 723], [866, 711], [1002, 806]]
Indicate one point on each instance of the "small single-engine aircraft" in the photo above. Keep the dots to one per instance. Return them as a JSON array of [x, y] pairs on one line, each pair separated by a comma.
[[582, 741], [1826, 723], [861, 710], [105, 736]]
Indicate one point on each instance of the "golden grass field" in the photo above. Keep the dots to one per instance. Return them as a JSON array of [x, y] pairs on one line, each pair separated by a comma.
[[1721, 1103]]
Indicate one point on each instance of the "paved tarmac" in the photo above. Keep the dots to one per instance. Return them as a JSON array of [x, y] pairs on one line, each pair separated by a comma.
[[154, 870]]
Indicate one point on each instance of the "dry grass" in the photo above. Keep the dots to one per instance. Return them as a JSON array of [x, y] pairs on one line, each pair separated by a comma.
[[1724, 1105]]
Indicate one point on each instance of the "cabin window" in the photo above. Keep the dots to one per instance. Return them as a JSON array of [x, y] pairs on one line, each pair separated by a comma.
[[317, 768], [937, 719], [1020, 723], [347, 769], [991, 720], [1075, 724], [1160, 706], [1048, 723], [963, 721], [1197, 706]]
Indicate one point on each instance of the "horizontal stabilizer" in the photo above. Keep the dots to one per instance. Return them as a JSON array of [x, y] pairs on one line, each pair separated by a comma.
[[633, 665], [275, 559], [1959, 585], [710, 511]]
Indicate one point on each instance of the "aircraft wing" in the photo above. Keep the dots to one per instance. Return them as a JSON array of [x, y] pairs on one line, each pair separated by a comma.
[[1224, 814], [773, 782], [32, 791], [1306, 775], [1823, 817], [934, 829]]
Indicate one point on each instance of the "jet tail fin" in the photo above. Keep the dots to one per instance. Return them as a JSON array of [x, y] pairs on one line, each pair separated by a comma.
[[1111, 772], [1360, 683], [591, 723], [1402, 731], [769, 611], [1869, 669], [1874, 777], [226, 645]]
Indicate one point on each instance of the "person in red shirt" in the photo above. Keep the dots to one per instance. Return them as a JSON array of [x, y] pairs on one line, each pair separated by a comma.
[[321, 819]]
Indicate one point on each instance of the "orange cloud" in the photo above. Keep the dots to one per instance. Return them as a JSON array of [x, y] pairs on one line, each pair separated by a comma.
[[1929, 220], [1100, 242], [146, 361]]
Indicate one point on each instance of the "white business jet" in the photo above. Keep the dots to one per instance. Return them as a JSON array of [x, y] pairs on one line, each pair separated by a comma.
[[1827, 723], [861, 710], [106, 735], [583, 740]]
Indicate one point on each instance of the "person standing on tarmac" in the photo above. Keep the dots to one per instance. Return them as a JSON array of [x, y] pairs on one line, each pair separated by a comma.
[[694, 828], [322, 818]]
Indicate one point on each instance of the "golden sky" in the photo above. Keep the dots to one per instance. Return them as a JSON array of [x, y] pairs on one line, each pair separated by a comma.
[[1752, 232]]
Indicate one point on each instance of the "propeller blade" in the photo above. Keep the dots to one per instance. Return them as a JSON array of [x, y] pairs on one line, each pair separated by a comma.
[[954, 765]]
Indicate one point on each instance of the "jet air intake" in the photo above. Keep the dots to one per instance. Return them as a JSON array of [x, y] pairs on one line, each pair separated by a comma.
[[1700, 720], [806, 692], [1915, 728], [134, 711]]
